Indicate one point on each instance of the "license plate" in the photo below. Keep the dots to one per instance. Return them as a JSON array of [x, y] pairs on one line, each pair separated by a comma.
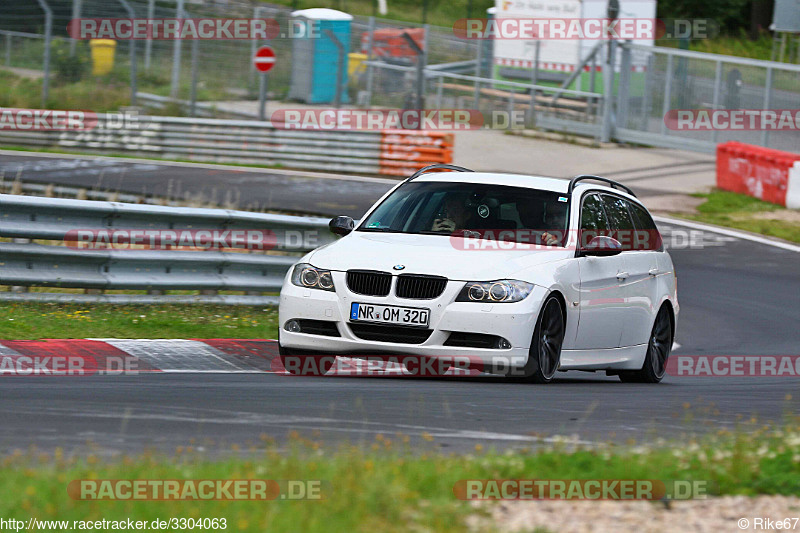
[[390, 314]]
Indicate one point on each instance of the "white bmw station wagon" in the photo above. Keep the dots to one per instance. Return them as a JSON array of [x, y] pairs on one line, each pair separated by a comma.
[[526, 275]]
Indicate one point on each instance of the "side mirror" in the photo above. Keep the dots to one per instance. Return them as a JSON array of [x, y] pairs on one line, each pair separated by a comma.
[[601, 246], [341, 225]]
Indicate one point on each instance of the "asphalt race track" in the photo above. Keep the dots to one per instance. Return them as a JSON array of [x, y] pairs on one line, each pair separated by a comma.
[[738, 297]]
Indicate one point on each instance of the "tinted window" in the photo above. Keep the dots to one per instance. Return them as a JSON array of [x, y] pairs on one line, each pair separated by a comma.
[[620, 222], [648, 237], [593, 219], [494, 212]]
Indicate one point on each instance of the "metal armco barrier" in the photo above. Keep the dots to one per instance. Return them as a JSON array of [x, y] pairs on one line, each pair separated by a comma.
[[764, 173], [251, 142], [24, 218]]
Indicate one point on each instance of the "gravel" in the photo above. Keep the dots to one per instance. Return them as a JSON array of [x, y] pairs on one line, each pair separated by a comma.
[[706, 515]]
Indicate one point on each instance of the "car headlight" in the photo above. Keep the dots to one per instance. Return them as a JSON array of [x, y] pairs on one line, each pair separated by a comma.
[[305, 275], [501, 291]]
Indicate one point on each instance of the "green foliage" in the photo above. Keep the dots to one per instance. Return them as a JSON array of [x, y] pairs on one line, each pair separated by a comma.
[[69, 68]]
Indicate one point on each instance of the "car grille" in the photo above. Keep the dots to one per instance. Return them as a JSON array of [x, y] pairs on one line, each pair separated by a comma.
[[369, 282], [399, 334], [319, 327], [420, 287]]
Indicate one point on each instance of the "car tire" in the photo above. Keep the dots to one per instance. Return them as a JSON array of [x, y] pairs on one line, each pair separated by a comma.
[[544, 355], [304, 363], [658, 350]]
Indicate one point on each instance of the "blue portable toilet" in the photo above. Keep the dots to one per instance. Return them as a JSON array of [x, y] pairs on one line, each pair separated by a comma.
[[315, 56]]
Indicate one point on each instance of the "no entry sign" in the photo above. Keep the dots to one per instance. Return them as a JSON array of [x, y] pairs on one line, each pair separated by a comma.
[[264, 58]]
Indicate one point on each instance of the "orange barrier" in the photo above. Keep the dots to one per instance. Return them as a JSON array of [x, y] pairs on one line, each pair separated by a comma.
[[403, 152], [753, 170]]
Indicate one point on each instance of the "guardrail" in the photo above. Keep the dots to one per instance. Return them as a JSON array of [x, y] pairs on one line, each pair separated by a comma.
[[251, 142], [24, 263]]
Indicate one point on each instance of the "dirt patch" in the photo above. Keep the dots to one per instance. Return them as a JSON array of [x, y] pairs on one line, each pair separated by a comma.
[[673, 203], [708, 515]]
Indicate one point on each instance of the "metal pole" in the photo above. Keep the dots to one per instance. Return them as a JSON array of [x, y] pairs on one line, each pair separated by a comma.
[[176, 56], [667, 95], [254, 45], [132, 44], [478, 74], [76, 14], [767, 104], [371, 31], [148, 45], [193, 94], [262, 97], [534, 81], [439, 91], [420, 69], [48, 31], [624, 85], [608, 89], [715, 98], [337, 99], [422, 63]]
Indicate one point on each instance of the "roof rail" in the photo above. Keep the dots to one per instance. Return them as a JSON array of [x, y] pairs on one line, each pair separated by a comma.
[[423, 170], [613, 184]]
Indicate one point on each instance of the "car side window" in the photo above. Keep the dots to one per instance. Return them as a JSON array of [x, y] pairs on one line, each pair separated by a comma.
[[648, 236], [593, 219], [620, 222]]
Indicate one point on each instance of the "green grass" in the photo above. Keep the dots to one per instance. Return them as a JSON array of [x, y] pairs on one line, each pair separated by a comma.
[[390, 485], [439, 12], [68, 321], [740, 211]]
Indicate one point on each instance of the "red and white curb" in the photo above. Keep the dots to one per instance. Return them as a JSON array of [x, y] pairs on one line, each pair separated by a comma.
[[79, 357]]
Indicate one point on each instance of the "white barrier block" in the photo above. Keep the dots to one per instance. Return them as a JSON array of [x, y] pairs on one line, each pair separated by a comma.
[[793, 187]]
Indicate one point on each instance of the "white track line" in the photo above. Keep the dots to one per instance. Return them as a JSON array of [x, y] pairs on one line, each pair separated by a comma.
[[729, 232]]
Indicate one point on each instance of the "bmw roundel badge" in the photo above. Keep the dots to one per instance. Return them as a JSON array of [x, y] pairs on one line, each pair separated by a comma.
[[399, 267]]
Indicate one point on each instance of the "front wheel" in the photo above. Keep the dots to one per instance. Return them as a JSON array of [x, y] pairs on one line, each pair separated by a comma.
[[658, 349], [544, 355]]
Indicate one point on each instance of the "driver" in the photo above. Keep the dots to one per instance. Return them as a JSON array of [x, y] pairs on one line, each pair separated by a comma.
[[552, 219], [455, 214]]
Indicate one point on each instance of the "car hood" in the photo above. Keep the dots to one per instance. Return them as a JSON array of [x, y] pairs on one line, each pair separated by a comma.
[[430, 254]]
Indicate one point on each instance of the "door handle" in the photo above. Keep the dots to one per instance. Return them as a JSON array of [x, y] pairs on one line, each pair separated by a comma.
[[622, 276], [653, 271]]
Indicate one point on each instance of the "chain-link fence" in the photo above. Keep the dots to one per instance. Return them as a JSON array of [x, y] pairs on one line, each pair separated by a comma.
[[385, 59], [682, 80]]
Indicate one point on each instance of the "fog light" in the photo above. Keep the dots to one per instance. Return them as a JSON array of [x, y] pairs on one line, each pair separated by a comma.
[[502, 344], [292, 325]]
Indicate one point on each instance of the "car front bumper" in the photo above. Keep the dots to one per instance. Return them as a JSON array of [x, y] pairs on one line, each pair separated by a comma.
[[513, 322]]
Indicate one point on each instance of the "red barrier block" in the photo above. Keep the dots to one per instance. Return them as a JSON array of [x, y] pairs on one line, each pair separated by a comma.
[[753, 170]]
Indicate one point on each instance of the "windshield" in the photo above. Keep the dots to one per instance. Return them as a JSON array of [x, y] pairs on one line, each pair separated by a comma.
[[473, 210]]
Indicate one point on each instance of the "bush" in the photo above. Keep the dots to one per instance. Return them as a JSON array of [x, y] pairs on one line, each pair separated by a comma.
[[69, 68]]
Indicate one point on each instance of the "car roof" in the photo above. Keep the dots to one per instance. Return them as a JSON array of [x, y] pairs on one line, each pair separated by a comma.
[[517, 180]]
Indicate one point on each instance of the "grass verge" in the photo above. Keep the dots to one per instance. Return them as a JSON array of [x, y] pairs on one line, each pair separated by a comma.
[[740, 211], [387, 487], [22, 321]]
